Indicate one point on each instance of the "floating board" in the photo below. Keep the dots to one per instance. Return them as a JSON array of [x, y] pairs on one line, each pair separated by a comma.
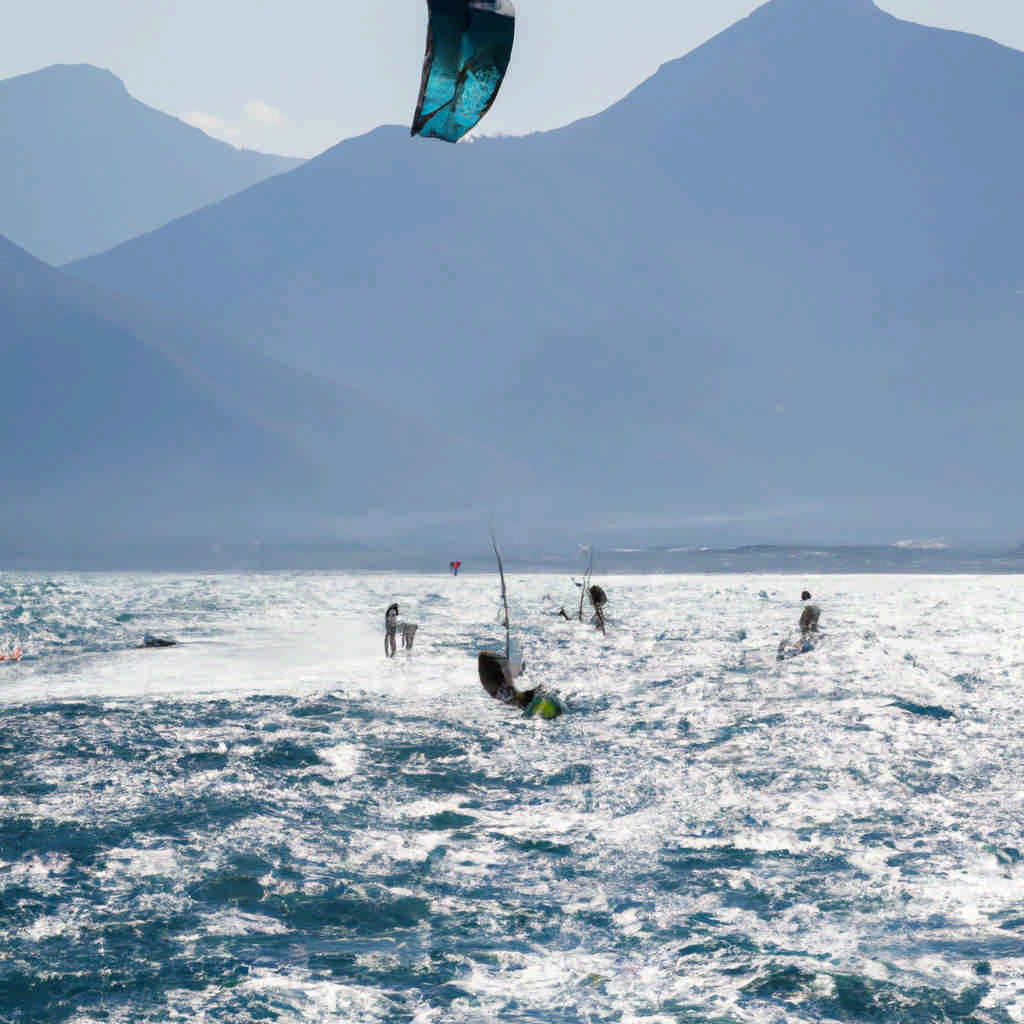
[[801, 645], [149, 640]]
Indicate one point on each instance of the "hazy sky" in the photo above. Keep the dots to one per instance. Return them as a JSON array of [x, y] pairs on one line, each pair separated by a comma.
[[296, 78]]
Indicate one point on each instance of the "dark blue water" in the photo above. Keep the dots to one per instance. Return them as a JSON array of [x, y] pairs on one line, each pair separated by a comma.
[[706, 836]]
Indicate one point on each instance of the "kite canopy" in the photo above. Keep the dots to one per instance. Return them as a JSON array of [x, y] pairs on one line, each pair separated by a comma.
[[469, 43]]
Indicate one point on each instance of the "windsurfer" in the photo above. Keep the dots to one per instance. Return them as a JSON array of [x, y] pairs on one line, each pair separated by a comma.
[[496, 677]]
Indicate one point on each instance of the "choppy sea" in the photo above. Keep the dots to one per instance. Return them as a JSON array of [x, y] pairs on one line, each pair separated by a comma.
[[274, 822]]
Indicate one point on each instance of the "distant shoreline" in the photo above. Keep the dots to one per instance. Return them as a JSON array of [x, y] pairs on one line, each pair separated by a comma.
[[753, 559]]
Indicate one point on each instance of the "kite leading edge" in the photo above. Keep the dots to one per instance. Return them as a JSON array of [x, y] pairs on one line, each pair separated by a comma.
[[469, 44]]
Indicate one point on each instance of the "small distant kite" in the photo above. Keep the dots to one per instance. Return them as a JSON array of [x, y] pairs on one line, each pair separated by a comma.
[[469, 44], [454, 566]]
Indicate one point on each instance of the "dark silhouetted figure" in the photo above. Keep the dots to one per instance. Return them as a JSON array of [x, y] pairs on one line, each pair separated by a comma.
[[809, 616], [390, 628], [598, 599], [496, 675]]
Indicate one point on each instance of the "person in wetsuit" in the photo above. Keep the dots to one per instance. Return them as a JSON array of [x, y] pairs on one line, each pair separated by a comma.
[[809, 616], [598, 599], [390, 628]]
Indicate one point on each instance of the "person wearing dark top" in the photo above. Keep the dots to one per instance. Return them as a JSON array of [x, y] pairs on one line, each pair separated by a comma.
[[390, 628], [809, 616]]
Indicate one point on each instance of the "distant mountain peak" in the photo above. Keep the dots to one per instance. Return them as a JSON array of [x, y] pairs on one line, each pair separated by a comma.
[[77, 75], [817, 14], [84, 165], [828, 5], [820, 8]]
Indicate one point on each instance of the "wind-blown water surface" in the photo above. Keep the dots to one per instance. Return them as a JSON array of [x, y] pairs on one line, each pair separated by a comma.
[[272, 822]]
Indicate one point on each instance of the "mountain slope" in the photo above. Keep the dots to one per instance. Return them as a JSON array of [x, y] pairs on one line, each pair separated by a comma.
[[84, 166], [123, 423], [777, 284]]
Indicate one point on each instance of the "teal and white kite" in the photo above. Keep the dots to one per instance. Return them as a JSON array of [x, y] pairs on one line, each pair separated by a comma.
[[469, 44]]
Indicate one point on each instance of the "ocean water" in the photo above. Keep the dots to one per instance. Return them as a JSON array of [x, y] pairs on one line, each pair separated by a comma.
[[273, 822]]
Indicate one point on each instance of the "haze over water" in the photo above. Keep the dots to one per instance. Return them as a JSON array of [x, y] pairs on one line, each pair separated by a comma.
[[274, 822]]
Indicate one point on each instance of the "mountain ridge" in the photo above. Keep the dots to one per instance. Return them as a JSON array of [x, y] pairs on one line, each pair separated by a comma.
[[136, 425], [84, 165], [742, 293]]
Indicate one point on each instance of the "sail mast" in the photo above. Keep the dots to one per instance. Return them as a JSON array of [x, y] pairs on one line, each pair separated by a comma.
[[586, 579], [504, 598]]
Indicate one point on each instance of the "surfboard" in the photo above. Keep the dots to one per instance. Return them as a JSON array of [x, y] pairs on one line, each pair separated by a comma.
[[800, 645], [149, 640], [14, 655]]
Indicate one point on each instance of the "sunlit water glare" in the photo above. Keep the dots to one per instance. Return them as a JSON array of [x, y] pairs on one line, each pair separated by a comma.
[[272, 821]]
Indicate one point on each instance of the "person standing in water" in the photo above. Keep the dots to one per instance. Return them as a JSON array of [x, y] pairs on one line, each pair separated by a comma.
[[390, 628], [809, 616], [808, 631], [598, 599]]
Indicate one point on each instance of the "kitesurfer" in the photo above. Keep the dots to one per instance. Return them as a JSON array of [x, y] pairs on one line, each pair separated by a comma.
[[390, 628], [809, 616], [454, 566], [598, 599]]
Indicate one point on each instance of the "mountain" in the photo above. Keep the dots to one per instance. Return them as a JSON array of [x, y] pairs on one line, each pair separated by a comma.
[[128, 425], [84, 166], [776, 291]]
